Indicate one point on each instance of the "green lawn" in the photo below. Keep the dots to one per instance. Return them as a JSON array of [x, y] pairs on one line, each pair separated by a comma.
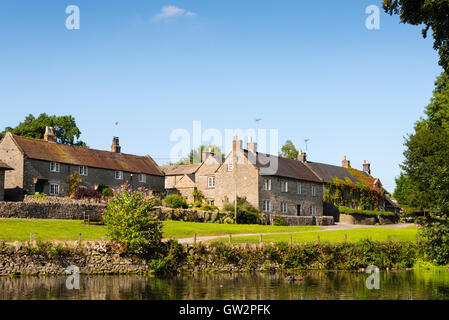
[[68, 230], [353, 235], [178, 229]]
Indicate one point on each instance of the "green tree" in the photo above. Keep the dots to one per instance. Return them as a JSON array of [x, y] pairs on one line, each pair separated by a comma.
[[289, 151], [433, 14], [195, 154], [128, 221], [66, 130]]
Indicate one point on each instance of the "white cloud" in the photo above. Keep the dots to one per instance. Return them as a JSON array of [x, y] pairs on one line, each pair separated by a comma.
[[168, 12]]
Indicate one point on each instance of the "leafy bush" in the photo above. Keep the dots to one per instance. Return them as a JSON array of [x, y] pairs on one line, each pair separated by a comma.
[[84, 193], [435, 242], [40, 196], [156, 202], [248, 215], [106, 193], [128, 220], [279, 221], [228, 220], [346, 210], [176, 201], [75, 182], [197, 204]]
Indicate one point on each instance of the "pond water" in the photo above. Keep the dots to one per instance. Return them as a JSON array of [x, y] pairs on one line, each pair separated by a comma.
[[316, 285]]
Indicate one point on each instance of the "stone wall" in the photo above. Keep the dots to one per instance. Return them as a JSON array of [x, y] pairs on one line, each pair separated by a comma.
[[357, 219], [91, 258], [324, 221], [303, 220], [50, 209]]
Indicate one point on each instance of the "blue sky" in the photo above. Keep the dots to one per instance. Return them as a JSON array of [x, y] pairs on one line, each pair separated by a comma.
[[310, 69]]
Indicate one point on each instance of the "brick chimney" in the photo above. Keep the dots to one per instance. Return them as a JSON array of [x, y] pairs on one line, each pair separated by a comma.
[[236, 144], [115, 145], [251, 146], [366, 167], [49, 134], [302, 156], [346, 163]]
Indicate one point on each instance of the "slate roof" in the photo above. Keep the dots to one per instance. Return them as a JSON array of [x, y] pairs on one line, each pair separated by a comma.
[[327, 171], [178, 170], [270, 165], [4, 166], [51, 151]]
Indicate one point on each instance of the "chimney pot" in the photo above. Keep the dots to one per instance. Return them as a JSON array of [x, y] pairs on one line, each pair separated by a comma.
[[251, 146]]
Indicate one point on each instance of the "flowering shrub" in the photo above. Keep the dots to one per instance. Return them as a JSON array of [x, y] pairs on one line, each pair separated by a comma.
[[128, 220], [83, 193]]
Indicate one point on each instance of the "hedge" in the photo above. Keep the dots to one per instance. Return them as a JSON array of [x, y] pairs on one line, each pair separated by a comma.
[[370, 213]]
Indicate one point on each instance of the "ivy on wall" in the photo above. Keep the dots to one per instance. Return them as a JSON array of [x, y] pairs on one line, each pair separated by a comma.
[[355, 195]]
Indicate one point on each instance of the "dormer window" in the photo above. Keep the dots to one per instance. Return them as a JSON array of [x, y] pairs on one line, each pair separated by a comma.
[[55, 167]]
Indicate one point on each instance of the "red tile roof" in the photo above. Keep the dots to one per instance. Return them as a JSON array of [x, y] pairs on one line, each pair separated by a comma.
[[50, 151]]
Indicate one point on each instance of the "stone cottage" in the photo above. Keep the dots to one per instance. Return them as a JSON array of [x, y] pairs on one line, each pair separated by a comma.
[[3, 168], [44, 166], [183, 179], [330, 173], [180, 179], [270, 183]]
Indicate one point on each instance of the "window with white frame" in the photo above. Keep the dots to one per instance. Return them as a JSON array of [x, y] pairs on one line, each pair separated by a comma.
[[312, 211], [82, 171], [142, 178], [119, 175], [298, 188], [266, 206], [210, 182], [267, 184], [55, 167], [284, 207], [230, 166], [313, 191], [54, 189], [284, 186]]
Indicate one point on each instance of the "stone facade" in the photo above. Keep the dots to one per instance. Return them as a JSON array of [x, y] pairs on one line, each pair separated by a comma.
[[33, 174], [38, 171], [251, 183], [205, 178], [299, 198]]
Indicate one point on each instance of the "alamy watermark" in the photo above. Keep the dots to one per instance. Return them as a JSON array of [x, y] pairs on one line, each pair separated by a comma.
[[72, 22], [373, 281], [73, 280], [267, 142], [372, 22]]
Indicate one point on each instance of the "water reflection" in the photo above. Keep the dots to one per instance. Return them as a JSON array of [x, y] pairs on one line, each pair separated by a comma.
[[316, 285]]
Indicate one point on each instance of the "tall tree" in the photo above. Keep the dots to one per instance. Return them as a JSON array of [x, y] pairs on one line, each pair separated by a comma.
[[433, 14], [66, 130], [426, 162], [289, 151]]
